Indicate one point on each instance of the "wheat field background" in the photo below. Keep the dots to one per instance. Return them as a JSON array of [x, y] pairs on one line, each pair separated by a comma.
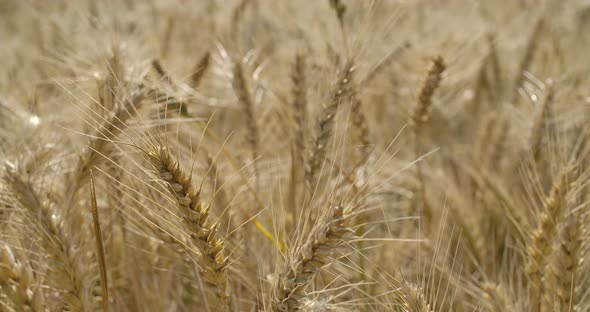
[[264, 155]]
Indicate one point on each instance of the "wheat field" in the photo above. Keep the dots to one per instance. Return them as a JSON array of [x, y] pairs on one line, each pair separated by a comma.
[[264, 155]]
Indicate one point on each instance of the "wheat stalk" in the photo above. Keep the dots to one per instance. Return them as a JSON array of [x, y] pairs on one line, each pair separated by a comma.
[[99, 247]]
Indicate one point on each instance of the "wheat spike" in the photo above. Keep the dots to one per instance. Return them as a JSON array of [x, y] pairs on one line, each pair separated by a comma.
[[318, 150], [67, 273], [316, 252], [242, 91], [538, 128], [339, 8], [412, 298], [421, 111], [204, 235], [542, 238], [563, 270], [527, 58], [98, 145], [299, 106], [18, 282], [200, 70]]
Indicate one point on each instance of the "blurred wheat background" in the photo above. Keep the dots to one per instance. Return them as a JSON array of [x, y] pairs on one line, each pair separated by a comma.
[[263, 155]]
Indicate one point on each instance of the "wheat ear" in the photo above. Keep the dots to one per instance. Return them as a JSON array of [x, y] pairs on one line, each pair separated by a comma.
[[360, 126], [540, 121], [204, 235], [496, 298], [527, 57], [315, 253], [299, 107], [494, 62], [418, 117], [300, 131], [325, 124], [339, 8], [498, 141], [564, 267], [99, 143], [200, 70], [54, 239], [18, 282], [540, 246], [421, 111], [242, 91], [482, 85], [159, 68], [411, 298], [485, 135]]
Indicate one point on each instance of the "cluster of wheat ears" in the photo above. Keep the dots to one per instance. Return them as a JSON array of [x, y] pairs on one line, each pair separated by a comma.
[[263, 155]]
